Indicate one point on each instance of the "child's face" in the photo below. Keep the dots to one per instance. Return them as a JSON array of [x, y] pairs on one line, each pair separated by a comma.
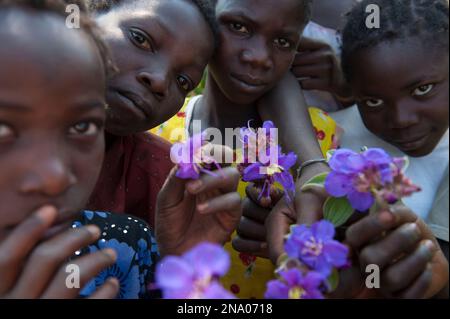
[[52, 111], [402, 93], [258, 44], [161, 48]]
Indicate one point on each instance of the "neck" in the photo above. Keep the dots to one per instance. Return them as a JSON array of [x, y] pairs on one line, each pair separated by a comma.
[[216, 110]]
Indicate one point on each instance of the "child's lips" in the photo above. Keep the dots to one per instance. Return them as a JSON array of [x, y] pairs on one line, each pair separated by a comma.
[[412, 144]]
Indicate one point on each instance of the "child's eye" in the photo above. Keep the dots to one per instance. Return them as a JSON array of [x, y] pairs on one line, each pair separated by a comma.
[[5, 131], [141, 39], [85, 129], [238, 27], [423, 90], [184, 83], [283, 43], [374, 102]]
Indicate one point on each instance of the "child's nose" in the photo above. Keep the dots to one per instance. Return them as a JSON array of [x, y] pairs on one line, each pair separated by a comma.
[[403, 115], [48, 176], [156, 82], [257, 55]]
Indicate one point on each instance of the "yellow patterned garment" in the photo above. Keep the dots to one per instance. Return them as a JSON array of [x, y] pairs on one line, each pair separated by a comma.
[[248, 275]]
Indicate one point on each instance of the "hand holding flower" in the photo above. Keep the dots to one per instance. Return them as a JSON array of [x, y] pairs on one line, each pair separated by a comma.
[[193, 211]]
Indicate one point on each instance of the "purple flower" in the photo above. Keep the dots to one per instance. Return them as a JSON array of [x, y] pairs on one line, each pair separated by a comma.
[[264, 162], [315, 247], [362, 176], [195, 274], [356, 175], [192, 158], [293, 284]]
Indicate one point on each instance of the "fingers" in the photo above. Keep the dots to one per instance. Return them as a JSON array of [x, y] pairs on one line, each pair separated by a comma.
[[314, 84], [226, 181], [277, 227], [254, 192], [172, 192], [254, 212], [401, 241], [313, 58], [248, 246], [20, 242], [310, 44], [419, 287], [403, 273], [250, 229], [109, 290], [89, 265], [373, 226], [48, 256], [230, 202]]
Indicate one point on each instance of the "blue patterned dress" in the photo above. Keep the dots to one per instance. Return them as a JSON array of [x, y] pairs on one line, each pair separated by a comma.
[[137, 253]]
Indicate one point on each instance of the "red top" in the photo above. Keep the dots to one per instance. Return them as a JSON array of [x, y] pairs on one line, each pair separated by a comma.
[[134, 171]]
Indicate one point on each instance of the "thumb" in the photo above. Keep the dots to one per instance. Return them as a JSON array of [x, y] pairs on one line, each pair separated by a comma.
[[172, 192]]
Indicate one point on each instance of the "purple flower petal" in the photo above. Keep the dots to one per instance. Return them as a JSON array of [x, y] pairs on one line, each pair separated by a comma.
[[360, 201], [187, 171], [336, 253], [338, 184], [377, 156], [208, 260], [276, 290], [173, 273], [267, 125], [287, 181], [346, 161], [252, 173], [216, 291], [287, 160], [323, 230]]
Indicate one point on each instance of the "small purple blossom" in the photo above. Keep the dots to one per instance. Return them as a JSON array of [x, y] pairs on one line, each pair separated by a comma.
[[315, 247], [264, 163], [361, 176], [294, 284], [195, 274], [192, 158]]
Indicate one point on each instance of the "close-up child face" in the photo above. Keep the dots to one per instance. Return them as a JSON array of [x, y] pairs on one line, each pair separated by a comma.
[[258, 41], [52, 113], [161, 48], [402, 92]]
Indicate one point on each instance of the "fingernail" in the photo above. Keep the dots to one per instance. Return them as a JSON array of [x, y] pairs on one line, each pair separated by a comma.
[[413, 230], [429, 246], [386, 218], [111, 253], [202, 207], [93, 230], [47, 214]]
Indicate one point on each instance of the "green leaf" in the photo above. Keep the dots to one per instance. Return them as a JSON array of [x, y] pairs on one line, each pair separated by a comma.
[[316, 181], [330, 154], [337, 210], [333, 281]]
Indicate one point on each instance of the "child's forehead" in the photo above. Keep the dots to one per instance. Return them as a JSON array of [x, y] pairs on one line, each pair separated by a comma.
[[288, 11], [43, 38]]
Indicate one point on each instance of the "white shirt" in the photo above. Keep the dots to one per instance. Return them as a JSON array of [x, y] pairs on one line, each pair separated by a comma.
[[427, 171]]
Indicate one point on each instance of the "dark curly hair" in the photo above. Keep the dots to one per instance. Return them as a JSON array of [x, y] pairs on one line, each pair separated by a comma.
[[206, 8], [399, 19], [59, 7]]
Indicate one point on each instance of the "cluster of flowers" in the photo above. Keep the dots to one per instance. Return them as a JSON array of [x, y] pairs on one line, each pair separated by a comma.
[[193, 157], [264, 163], [310, 267], [364, 177]]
